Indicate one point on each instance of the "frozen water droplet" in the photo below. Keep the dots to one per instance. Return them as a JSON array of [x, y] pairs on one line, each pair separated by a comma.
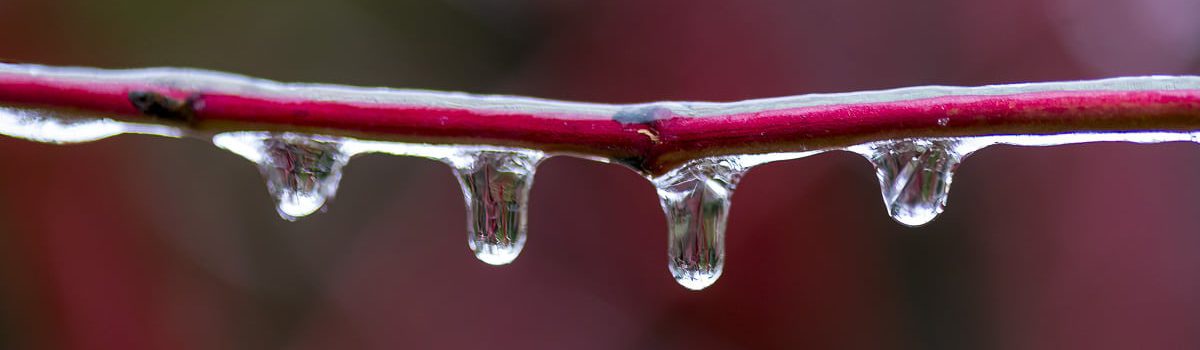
[[914, 176], [695, 199], [496, 187], [302, 172]]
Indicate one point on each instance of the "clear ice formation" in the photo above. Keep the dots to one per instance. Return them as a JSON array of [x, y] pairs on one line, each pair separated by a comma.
[[46, 127], [495, 185], [914, 176], [695, 199], [302, 171]]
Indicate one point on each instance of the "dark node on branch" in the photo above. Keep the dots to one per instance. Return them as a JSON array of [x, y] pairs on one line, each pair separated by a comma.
[[9, 61], [642, 114], [156, 105]]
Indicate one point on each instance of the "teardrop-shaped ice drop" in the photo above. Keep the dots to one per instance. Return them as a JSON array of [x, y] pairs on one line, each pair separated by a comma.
[[696, 199], [302, 171], [496, 187], [914, 176]]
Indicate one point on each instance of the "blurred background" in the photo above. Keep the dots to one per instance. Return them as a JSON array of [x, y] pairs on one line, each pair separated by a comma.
[[144, 243]]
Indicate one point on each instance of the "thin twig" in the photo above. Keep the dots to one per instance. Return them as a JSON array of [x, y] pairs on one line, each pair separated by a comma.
[[651, 137]]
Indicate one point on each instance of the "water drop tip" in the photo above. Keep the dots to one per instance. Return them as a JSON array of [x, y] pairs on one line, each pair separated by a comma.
[[498, 255], [696, 284], [293, 216], [916, 220], [696, 280], [294, 206], [913, 223]]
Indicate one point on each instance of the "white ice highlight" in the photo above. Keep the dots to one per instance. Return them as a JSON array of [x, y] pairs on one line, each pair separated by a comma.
[[46, 127]]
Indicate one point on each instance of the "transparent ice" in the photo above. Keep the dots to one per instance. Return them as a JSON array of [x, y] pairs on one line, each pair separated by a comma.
[[302, 171], [695, 199], [49, 127], [914, 176], [496, 185]]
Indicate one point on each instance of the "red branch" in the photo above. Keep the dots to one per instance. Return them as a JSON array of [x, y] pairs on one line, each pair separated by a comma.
[[651, 137]]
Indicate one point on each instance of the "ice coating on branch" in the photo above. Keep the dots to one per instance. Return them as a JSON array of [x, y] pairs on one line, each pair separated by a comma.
[[47, 127], [302, 171], [495, 185], [221, 82], [695, 199]]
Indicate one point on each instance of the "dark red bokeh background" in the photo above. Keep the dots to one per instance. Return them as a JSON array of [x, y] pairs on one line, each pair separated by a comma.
[[144, 243]]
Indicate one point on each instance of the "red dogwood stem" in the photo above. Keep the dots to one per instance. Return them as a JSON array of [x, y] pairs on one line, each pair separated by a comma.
[[652, 137]]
